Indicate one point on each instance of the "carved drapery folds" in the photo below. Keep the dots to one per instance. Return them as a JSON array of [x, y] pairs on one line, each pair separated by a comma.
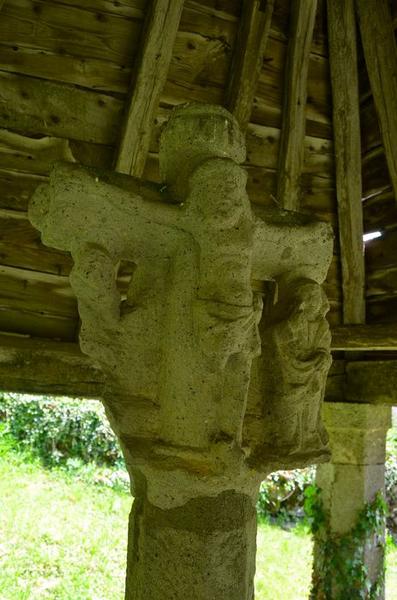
[[291, 374], [178, 348]]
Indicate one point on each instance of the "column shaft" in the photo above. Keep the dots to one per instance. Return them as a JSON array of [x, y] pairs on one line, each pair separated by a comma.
[[202, 550], [349, 483]]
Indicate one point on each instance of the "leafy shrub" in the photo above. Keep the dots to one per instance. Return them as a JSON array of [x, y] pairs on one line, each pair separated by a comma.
[[282, 495], [58, 430], [391, 481]]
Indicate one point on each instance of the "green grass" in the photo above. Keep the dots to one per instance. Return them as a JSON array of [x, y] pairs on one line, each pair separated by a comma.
[[63, 538], [283, 563], [59, 538]]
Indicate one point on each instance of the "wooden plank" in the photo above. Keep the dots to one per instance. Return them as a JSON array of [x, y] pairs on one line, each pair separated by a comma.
[[372, 382], [34, 106], [196, 57], [34, 155], [161, 26], [72, 30], [375, 174], [263, 145], [31, 365], [92, 73], [346, 123], [280, 25], [381, 253], [382, 283], [42, 293], [17, 188], [294, 109], [365, 337], [380, 212], [205, 82], [270, 92], [380, 53], [370, 132], [20, 246], [122, 8], [24, 368], [248, 56], [26, 322]]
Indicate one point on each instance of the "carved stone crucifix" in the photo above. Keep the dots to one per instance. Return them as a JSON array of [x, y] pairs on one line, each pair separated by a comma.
[[206, 394]]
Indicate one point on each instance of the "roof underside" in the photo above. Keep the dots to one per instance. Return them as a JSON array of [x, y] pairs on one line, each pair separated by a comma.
[[68, 76]]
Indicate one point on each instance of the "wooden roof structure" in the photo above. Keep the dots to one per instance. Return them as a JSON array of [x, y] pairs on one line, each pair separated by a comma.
[[313, 84]]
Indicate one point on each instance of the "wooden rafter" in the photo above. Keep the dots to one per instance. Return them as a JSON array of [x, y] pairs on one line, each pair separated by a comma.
[[248, 56], [24, 368], [291, 154], [151, 71], [346, 126], [373, 382], [380, 51], [365, 337]]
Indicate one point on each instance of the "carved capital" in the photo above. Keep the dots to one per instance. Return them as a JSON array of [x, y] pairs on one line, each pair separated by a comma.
[[177, 347]]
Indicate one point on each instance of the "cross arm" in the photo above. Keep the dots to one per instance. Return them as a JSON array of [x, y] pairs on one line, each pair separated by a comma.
[[286, 241]]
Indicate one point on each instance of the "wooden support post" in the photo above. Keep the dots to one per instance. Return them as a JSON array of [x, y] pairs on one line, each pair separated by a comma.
[[291, 154], [380, 51], [248, 56], [346, 125], [151, 71]]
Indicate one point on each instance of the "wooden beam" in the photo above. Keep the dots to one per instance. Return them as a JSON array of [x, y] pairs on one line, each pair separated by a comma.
[[380, 51], [250, 47], [372, 382], [346, 125], [46, 367], [43, 366], [365, 337], [161, 26], [290, 164], [33, 106]]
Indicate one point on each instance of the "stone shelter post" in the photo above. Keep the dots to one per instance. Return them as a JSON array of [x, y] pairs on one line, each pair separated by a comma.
[[352, 489]]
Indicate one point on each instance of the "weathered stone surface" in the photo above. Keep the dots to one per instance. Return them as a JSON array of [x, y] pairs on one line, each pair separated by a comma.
[[357, 432], [210, 549], [177, 350], [354, 477], [346, 488], [291, 374]]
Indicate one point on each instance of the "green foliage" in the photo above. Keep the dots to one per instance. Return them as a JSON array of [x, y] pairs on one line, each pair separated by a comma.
[[339, 570], [282, 495], [58, 430], [391, 482]]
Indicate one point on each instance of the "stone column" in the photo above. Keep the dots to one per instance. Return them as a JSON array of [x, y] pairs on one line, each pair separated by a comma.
[[198, 431], [204, 549], [350, 482]]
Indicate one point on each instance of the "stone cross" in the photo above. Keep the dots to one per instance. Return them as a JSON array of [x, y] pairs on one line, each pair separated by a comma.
[[206, 391]]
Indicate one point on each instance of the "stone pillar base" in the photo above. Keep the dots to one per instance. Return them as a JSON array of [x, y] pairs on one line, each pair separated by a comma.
[[202, 550]]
